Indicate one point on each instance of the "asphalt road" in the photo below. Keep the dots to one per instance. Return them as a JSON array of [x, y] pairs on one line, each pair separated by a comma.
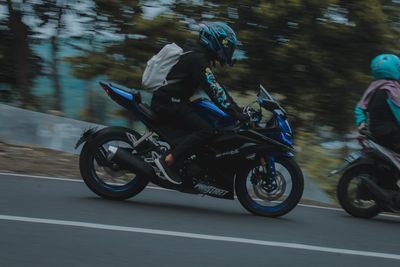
[[47, 222]]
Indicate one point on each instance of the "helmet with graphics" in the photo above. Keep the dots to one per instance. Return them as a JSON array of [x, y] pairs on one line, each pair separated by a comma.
[[220, 39]]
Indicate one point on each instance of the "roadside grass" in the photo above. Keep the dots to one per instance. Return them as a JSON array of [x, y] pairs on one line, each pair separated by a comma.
[[317, 162], [38, 161]]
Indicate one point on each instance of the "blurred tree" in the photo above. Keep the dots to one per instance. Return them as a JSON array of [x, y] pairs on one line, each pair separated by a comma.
[[130, 40], [88, 42], [317, 53], [21, 64], [323, 58], [134, 40], [53, 12], [93, 62], [7, 69]]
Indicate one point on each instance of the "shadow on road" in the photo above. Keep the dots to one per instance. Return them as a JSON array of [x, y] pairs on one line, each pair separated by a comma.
[[188, 210], [379, 219]]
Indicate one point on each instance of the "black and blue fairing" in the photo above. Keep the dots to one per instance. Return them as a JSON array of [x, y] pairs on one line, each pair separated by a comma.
[[212, 114], [277, 128]]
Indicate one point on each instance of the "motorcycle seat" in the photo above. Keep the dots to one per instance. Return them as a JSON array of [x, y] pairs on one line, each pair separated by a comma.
[[143, 108], [146, 110]]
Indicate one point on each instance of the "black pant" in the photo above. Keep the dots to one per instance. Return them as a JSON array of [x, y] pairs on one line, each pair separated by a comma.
[[391, 141], [182, 116]]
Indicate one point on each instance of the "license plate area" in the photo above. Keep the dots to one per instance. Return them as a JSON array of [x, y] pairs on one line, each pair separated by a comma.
[[353, 156]]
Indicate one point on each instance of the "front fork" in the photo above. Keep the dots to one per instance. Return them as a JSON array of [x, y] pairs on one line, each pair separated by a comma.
[[266, 174], [268, 165]]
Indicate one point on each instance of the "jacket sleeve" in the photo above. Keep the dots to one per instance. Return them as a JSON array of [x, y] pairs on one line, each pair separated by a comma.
[[218, 94], [360, 115]]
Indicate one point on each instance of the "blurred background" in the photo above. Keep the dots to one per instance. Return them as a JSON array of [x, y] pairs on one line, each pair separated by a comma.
[[313, 55]]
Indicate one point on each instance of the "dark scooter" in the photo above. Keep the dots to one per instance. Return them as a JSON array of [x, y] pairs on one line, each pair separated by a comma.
[[370, 183]]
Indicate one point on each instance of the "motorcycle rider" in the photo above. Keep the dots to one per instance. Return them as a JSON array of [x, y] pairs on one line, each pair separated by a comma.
[[379, 107], [217, 42]]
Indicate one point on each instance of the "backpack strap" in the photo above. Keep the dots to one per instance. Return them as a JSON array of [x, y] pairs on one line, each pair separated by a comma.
[[174, 80]]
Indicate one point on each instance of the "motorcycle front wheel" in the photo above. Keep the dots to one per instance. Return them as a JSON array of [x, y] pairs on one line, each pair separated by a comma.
[[353, 196], [274, 196]]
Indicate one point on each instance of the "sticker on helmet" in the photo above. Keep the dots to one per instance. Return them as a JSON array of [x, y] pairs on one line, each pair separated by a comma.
[[225, 42]]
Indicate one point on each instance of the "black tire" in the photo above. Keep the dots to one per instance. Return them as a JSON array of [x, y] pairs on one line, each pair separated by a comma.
[[284, 207], [343, 192], [88, 173]]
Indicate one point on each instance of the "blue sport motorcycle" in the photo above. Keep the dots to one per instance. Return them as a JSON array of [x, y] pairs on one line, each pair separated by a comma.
[[252, 160]]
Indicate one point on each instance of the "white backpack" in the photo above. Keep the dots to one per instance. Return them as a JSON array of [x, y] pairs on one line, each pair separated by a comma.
[[158, 67]]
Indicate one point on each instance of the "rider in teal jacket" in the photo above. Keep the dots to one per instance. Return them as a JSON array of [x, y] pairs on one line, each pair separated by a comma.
[[379, 108]]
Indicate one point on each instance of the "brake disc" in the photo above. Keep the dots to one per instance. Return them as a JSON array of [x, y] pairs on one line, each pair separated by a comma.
[[271, 195]]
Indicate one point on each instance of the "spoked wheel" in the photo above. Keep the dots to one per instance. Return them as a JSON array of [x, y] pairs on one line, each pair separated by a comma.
[[270, 196], [354, 196], [101, 175]]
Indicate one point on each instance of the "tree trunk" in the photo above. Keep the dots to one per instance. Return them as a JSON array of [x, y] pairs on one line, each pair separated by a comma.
[[90, 109], [55, 76], [21, 57]]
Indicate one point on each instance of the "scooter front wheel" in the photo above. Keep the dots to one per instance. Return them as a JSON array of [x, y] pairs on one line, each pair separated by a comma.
[[353, 196]]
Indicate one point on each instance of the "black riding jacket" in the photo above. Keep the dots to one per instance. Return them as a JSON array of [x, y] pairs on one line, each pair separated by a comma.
[[381, 118], [194, 71]]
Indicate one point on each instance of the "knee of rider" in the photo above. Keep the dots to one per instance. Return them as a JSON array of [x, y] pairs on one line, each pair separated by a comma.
[[206, 133]]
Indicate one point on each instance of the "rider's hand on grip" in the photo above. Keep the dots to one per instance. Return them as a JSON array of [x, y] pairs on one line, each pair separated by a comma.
[[362, 126], [243, 118]]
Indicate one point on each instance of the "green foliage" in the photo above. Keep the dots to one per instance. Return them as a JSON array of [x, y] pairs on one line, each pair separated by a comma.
[[315, 53], [318, 51], [318, 162]]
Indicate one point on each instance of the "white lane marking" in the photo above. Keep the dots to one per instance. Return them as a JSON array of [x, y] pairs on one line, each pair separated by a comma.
[[164, 189], [200, 236]]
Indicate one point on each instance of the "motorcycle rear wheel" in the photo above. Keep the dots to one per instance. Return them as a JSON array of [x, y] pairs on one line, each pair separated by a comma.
[[110, 183]]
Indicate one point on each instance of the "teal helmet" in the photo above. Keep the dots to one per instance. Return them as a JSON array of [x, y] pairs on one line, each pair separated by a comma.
[[386, 66]]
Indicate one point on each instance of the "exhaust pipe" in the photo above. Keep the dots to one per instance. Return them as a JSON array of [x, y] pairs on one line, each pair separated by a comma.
[[130, 162], [378, 192]]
